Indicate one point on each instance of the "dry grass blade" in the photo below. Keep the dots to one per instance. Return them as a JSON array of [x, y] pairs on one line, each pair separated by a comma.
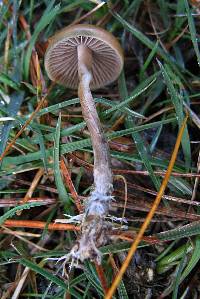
[[150, 215], [32, 187], [23, 239], [88, 14], [121, 177]]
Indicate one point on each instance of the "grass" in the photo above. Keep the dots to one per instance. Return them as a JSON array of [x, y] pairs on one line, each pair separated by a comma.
[[142, 113]]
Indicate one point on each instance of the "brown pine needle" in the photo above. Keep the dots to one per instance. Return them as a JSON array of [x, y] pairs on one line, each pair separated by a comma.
[[70, 185], [150, 215], [102, 277], [40, 225]]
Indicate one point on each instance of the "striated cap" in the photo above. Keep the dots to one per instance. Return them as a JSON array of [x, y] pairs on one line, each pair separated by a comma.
[[61, 59]]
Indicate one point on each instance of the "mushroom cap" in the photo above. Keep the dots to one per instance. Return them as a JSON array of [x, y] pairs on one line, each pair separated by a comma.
[[61, 59]]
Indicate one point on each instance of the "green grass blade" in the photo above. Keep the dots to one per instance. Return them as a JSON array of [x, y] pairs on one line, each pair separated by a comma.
[[150, 44], [9, 82], [178, 105], [141, 147], [192, 31], [122, 291], [12, 212], [148, 60], [42, 149], [12, 109], [175, 255], [138, 91], [144, 153], [63, 195], [36, 268], [185, 231], [193, 261], [177, 280], [58, 106]]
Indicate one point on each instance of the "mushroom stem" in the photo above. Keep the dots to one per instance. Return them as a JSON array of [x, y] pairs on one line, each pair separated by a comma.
[[94, 228], [103, 181]]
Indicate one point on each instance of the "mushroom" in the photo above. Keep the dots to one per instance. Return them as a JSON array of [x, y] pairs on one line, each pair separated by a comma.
[[88, 57]]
